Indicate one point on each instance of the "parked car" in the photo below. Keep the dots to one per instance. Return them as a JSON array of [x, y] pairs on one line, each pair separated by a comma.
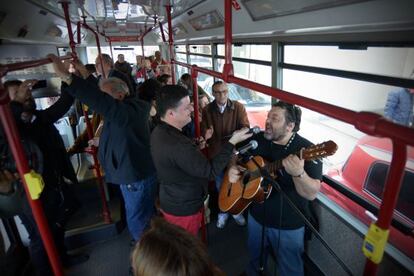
[[256, 105], [365, 173]]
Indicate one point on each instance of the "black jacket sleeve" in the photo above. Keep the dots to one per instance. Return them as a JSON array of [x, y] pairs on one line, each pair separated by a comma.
[[193, 162], [57, 110]]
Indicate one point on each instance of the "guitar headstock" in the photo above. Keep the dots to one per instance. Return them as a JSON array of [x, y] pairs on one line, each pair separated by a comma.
[[319, 151]]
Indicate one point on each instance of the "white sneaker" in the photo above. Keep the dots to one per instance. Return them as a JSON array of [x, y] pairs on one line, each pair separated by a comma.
[[222, 220], [240, 220]]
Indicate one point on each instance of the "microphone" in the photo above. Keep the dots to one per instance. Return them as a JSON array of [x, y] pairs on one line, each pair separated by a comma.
[[251, 145], [254, 130]]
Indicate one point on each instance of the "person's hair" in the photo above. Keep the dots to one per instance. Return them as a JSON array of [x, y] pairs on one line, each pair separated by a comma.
[[166, 249], [163, 79], [121, 55], [107, 59], [186, 78], [116, 84], [11, 83], [148, 90], [219, 82], [293, 113], [169, 98], [90, 67]]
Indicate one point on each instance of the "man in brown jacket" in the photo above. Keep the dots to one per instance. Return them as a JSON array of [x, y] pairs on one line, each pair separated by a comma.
[[224, 116]]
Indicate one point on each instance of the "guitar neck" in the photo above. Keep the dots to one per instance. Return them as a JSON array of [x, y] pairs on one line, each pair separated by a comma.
[[273, 167]]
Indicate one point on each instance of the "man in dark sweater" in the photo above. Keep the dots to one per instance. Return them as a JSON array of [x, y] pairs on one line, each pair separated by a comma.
[[300, 181], [183, 170], [124, 146]]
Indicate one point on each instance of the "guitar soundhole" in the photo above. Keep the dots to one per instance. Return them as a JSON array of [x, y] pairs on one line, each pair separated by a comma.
[[246, 178]]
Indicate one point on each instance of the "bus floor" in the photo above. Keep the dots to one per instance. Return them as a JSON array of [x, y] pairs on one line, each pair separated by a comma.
[[227, 248]]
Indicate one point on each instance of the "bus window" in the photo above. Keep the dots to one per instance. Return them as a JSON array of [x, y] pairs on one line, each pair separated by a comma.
[[249, 51], [375, 185], [200, 49], [387, 61], [201, 61], [129, 53]]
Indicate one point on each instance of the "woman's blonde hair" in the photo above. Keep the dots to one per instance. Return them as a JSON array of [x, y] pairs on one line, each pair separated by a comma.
[[167, 249]]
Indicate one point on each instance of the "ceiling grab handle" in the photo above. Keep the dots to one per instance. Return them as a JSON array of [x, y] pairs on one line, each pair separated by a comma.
[[162, 32], [228, 40]]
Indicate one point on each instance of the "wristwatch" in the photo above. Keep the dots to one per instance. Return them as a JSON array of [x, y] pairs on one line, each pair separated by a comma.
[[300, 175]]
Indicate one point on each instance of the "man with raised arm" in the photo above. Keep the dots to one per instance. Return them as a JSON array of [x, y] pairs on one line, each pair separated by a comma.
[[124, 142], [183, 170], [300, 181], [59, 202]]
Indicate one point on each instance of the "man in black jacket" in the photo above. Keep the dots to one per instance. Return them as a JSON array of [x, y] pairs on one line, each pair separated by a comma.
[[38, 126], [124, 146], [182, 169]]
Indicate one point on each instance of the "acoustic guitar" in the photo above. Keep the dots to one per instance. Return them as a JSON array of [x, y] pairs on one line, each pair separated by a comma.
[[234, 198]]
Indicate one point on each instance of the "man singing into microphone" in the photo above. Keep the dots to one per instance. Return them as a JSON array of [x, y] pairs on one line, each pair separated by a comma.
[[183, 171], [300, 181], [224, 116]]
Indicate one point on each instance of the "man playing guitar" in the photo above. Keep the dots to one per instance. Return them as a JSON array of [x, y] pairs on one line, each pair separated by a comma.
[[300, 180]]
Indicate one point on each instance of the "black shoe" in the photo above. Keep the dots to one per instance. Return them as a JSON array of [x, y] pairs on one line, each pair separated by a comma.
[[71, 260]]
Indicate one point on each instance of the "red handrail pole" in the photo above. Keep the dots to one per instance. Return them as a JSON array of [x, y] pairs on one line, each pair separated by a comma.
[[368, 122], [22, 165], [170, 41], [98, 44], [105, 210], [72, 44], [228, 65], [110, 47], [390, 195], [194, 75], [5, 68]]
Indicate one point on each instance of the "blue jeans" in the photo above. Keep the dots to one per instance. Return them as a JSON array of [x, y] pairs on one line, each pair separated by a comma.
[[139, 200], [288, 249]]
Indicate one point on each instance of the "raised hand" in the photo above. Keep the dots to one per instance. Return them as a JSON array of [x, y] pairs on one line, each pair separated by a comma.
[[60, 68], [240, 135], [234, 173], [209, 133]]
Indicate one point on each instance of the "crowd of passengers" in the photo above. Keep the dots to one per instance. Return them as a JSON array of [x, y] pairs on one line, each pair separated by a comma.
[[144, 130]]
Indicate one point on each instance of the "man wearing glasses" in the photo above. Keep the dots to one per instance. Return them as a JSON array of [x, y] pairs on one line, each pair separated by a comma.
[[224, 116]]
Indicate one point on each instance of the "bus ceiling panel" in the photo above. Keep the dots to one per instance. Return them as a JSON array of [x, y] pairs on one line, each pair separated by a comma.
[[349, 17], [380, 15], [25, 22]]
